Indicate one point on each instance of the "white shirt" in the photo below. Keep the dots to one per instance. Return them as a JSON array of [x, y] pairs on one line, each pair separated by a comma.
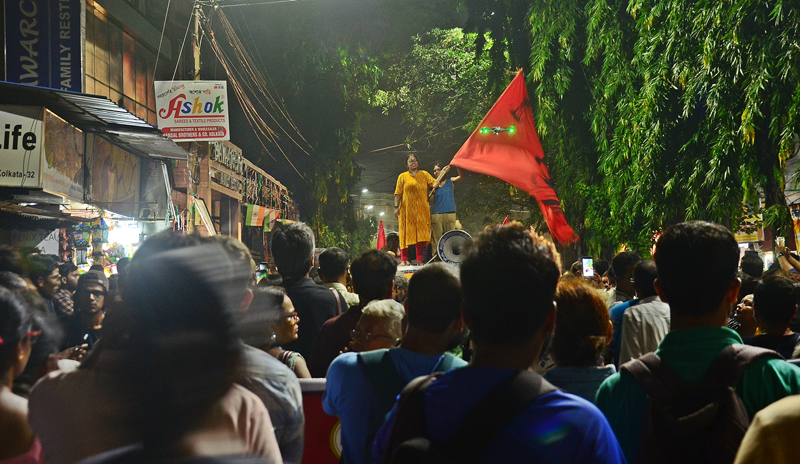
[[350, 298], [643, 327]]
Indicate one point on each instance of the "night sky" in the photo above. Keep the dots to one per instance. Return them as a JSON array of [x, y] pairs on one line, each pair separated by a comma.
[[377, 27]]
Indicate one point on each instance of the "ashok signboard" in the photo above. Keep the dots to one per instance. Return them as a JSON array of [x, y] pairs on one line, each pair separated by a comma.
[[43, 43], [193, 110]]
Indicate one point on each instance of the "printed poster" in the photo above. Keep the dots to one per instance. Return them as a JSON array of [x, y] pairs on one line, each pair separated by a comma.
[[62, 171]]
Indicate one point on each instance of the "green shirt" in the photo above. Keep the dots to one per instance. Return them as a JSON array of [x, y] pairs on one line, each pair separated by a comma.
[[689, 352]]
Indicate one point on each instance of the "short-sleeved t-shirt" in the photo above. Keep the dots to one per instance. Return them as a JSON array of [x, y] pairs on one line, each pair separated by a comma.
[[443, 199], [349, 394], [689, 353], [555, 428]]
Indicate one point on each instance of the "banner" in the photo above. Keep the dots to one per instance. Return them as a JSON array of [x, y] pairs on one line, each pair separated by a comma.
[[43, 43], [115, 178], [193, 110], [62, 171], [21, 146], [45, 240], [505, 145]]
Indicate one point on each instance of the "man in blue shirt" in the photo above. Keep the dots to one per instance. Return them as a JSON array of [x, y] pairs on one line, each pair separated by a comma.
[[443, 207], [362, 387], [509, 280]]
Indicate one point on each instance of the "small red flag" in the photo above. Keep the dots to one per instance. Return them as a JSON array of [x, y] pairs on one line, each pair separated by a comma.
[[381, 236], [505, 145], [505, 221]]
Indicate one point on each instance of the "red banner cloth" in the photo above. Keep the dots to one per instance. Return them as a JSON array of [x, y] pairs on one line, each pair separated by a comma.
[[505, 145], [381, 236]]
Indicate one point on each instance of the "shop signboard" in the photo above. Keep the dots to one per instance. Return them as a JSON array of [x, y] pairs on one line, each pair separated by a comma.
[[62, 170], [43, 43], [751, 229], [193, 110], [21, 146], [45, 240], [115, 178]]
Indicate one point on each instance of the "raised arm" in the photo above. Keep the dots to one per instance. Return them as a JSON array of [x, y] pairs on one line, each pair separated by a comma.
[[458, 177], [786, 260]]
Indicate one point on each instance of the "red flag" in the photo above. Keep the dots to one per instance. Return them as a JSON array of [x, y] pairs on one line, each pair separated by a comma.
[[505, 145], [505, 221], [381, 236]]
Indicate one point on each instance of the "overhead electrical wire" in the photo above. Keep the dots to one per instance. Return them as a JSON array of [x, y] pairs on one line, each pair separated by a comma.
[[183, 44], [257, 83], [161, 39], [255, 3], [285, 111], [239, 80], [418, 140]]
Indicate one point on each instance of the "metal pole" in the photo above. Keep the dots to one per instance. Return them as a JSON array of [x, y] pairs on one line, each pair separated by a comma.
[[193, 163]]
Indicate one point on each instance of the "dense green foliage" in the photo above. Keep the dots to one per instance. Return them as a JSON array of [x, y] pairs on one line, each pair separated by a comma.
[[654, 112], [439, 84], [650, 112]]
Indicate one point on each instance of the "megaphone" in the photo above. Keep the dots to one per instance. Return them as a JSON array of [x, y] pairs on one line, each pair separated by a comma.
[[451, 246]]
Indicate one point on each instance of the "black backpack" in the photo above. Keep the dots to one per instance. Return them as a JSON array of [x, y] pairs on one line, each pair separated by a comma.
[[694, 423], [408, 444], [387, 384]]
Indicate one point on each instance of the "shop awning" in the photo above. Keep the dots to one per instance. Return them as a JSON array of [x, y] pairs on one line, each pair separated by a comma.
[[99, 115]]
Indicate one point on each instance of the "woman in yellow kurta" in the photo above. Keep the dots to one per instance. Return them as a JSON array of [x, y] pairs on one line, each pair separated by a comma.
[[411, 207]]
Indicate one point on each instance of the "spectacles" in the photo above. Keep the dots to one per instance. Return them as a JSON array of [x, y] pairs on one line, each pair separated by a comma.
[[367, 336], [293, 317], [33, 336]]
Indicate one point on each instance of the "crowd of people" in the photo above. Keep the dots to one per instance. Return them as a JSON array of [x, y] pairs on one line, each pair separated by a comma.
[[187, 357]]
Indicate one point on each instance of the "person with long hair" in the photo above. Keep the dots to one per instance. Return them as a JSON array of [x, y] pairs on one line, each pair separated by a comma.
[[583, 330], [392, 245], [18, 444], [412, 208]]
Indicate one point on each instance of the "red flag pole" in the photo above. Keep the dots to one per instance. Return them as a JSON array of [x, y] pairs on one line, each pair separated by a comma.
[[381, 236]]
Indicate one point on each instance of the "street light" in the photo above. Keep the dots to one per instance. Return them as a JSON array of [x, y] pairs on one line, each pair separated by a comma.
[[365, 191], [370, 206]]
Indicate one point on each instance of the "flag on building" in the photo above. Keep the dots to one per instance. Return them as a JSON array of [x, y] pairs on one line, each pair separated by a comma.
[[270, 219], [254, 215]]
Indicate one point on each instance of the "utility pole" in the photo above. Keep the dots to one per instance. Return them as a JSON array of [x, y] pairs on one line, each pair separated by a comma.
[[193, 163]]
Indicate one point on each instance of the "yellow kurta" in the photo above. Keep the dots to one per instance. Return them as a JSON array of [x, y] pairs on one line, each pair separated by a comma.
[[415, 213]]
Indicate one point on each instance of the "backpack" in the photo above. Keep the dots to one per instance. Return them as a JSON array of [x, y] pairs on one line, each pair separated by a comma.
[[408, 444], [387, 383], [694, 423]]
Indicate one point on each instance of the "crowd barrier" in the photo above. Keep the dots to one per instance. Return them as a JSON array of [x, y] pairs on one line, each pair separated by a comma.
[[323, 438]]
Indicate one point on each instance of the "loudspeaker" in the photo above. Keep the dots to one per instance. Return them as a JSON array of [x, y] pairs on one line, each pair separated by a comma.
[[451, 245]]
